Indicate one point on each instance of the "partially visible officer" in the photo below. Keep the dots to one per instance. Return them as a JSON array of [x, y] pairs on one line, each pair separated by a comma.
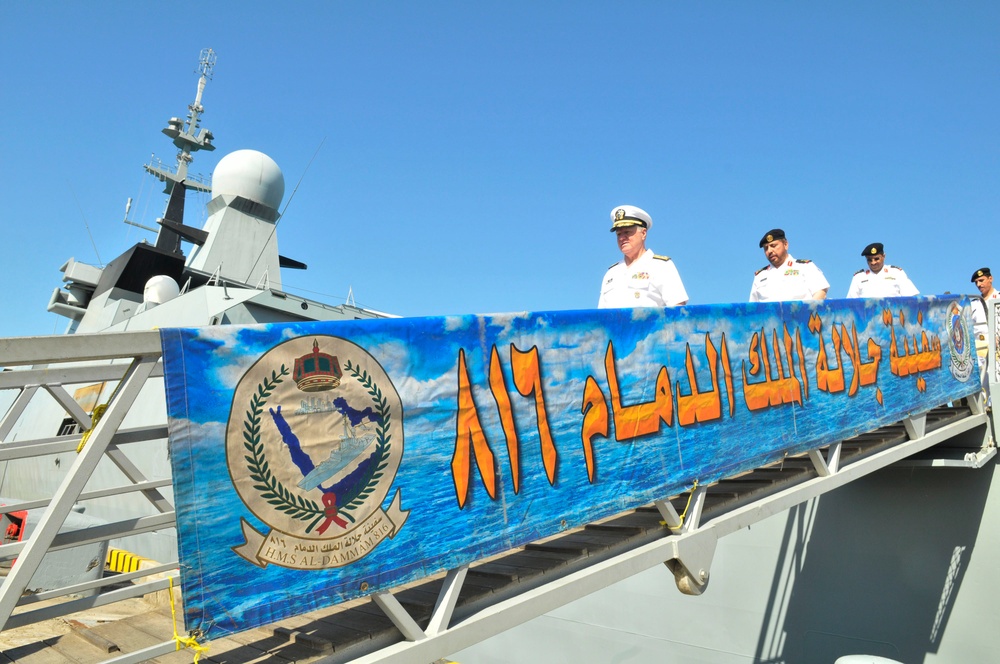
[[786, 278], [983, 279], [880, 280], [643, 279]]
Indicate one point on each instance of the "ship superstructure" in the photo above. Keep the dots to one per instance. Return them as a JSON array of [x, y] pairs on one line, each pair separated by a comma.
[[227, 272]]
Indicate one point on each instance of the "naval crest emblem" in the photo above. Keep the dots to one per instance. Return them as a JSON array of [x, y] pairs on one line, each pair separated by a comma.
[[959, 343], [313, 444]]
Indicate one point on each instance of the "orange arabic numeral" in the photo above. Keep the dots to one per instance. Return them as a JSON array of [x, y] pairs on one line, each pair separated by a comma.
[[499, 390], [528, 380], [469, 437]]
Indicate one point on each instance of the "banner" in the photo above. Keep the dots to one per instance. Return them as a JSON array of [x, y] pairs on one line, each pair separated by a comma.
[[317, 462]]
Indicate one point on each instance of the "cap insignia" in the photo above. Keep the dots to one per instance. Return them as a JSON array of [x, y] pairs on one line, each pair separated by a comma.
[[874, 251], [769, 237], [619, 214]]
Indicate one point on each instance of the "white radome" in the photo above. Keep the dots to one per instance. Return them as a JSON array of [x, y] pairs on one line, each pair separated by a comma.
[[160, 289], [250, 174]]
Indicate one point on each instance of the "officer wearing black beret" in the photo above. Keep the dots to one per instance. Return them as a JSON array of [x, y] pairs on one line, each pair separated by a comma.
[[983, 279], [880, 279], [785, 278]]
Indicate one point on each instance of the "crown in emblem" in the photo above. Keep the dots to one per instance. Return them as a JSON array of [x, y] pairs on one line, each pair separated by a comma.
[[874, 251], [619, 214], [316, 371]]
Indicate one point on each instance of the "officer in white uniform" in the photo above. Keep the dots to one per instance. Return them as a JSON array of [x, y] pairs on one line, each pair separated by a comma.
[[786, 278], [983, 279], [642, 279], [880, 280]]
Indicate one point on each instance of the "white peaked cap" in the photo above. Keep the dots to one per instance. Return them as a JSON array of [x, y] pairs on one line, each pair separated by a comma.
[[629, 215]]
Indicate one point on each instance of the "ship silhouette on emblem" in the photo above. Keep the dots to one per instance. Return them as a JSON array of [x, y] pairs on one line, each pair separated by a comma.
[[349, 448], [316, 371]]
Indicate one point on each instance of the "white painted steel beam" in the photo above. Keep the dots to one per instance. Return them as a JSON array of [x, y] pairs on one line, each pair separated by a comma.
[[25, 351], [399, 616], [166, 569], [84, 603], [68, 375], [830, 464], [447, 599], [915, 425], [93, 495], [14, 412], [136, 476], [24, 449], [70, 405]]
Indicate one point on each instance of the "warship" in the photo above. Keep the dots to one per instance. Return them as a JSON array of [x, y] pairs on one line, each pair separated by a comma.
[[891, 557]]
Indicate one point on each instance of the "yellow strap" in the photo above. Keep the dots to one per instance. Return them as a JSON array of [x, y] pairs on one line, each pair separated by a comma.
[[686, 507], [184, 641], [94, 419]]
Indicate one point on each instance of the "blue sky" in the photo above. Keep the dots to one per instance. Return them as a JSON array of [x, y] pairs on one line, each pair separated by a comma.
[[471, 152]]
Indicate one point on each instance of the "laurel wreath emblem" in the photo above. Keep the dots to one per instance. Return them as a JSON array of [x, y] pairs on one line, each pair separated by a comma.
[[294, 505]]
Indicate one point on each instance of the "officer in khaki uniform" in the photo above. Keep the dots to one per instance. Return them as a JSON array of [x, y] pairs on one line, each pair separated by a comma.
[[880, 280], [641, 279], [785, 277]]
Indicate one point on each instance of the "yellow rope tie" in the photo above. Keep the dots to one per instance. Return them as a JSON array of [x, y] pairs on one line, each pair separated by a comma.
[[94, 419], [184, 641], [686, 507]]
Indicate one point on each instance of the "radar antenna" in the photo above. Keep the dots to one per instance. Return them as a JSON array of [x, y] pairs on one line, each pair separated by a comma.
[[189, 137]]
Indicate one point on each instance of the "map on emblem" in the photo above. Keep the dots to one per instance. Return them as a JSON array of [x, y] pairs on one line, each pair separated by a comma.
[[313, 443]]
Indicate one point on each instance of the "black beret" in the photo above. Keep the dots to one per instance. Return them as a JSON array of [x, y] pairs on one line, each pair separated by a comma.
[[981, 272], [771, 236], [873, 249]]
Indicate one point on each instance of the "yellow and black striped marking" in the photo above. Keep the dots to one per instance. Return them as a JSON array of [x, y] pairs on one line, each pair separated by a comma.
[[122, 561]]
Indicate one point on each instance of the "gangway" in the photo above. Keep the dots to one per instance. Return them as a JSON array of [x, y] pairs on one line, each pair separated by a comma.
[[421, 621]]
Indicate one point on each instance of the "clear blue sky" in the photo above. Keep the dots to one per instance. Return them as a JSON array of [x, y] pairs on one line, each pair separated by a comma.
[[472, 151]]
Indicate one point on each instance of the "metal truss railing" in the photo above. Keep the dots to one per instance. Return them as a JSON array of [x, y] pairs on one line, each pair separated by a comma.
[[47, 364]]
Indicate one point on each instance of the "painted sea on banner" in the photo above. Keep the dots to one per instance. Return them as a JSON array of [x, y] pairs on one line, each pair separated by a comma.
[[318, 462]]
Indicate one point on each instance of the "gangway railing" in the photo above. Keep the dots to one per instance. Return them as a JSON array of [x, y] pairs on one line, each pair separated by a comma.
[[427, 620], [34, 366]]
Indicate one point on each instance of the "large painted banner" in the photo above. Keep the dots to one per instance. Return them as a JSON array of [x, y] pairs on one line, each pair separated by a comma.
[[318, 462]]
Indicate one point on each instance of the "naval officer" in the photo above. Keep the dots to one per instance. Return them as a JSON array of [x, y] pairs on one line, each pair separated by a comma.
[[785, 277], [880, 280], [983, 279], [641, 279]]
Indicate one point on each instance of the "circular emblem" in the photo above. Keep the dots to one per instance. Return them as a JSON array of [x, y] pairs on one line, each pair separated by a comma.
[[874, 251], [313, 444], [961, 364], [769, 238], [619, 214]]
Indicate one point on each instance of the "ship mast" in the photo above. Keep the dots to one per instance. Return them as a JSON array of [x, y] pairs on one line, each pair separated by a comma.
[[189, 137]]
